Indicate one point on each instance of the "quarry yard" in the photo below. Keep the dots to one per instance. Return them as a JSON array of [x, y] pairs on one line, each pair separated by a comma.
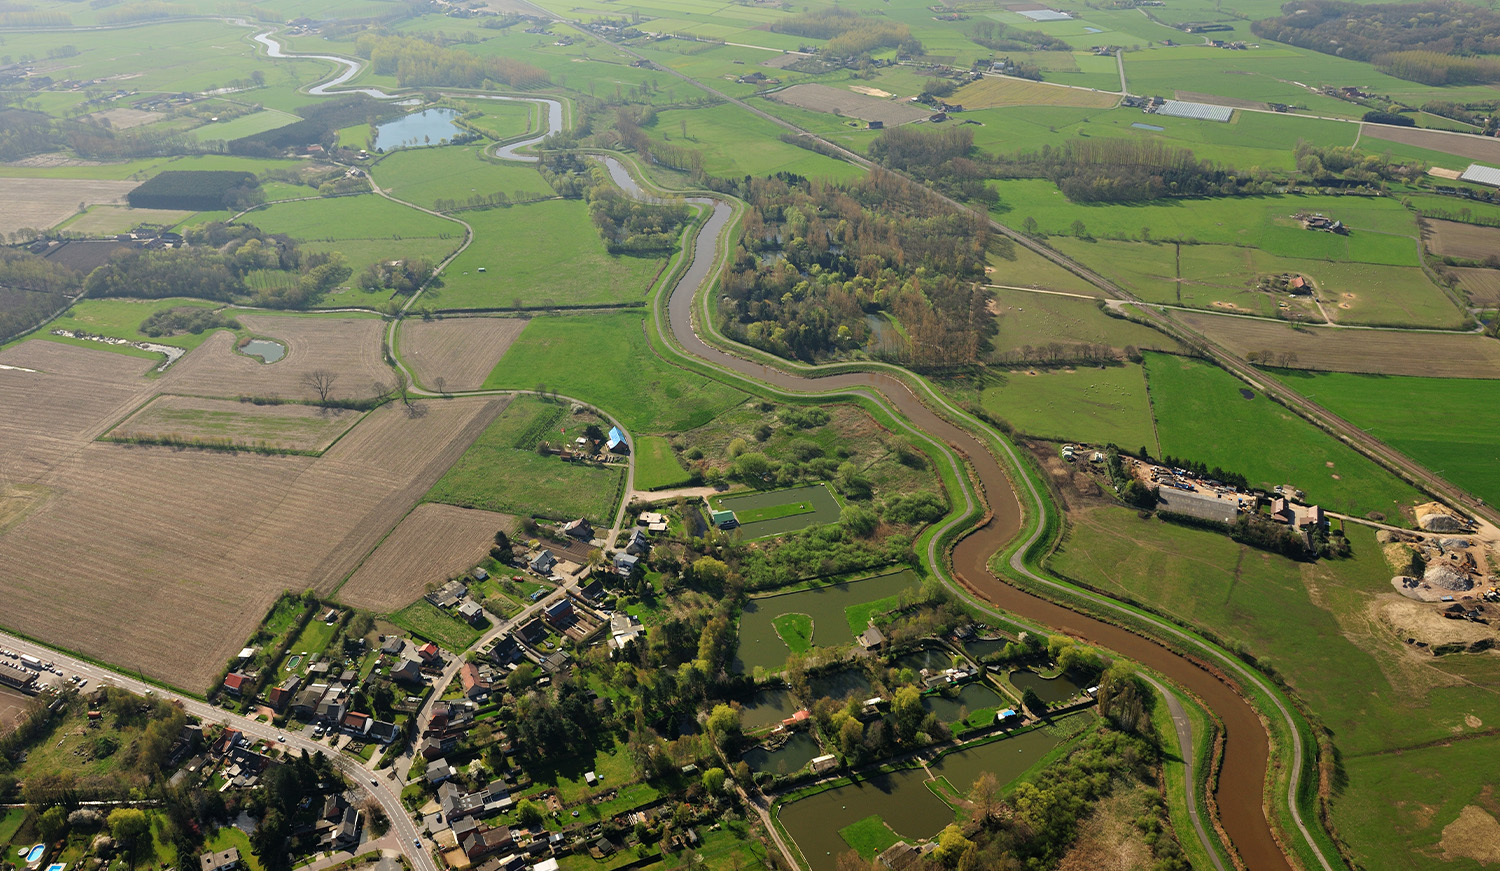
[[457, 353], [430, 545]]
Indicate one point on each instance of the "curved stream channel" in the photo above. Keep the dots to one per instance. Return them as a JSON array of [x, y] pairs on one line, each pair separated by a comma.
[[1242, 778]]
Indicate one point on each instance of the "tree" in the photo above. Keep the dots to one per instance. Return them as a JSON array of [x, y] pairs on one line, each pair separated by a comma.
[[985, 794], [1029, 226], [52, 824], [128, 823], [529, 813], [724, 725], [907, 711], [1079, 229], [320, 381], [713, 780], [1033, 702]]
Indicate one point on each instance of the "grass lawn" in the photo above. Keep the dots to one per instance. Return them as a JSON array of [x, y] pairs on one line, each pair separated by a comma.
[[656, 466], [796, 631], [1038, 319], [540, 255], [245, 125], [858, 616], [423, 619], [502, 119], [229, 836], [11, 822], [772, 512], [501, 471], [365, 216], [121, 318], [1321, 626], [1446, 424], [455, 172], [869, 836], [605, 359], [1094, 405], [735, 144], [1201, 415], [310, 643]]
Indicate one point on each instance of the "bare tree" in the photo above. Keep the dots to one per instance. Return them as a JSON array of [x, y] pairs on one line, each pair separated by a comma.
[[320, 381], [441, 384]]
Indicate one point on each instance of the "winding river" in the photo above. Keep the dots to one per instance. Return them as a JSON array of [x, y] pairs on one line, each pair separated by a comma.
[[1243, 776]]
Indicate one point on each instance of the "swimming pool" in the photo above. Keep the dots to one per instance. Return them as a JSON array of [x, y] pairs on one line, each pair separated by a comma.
[[36, 853]]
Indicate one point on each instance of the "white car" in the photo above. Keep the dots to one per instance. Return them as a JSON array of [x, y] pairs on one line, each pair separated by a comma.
[[281, 738]]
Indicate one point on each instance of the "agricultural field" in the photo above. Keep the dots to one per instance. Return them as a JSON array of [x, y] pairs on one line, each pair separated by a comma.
[[1468, 148], [604, 359], [430, 545], [1381, 703], [1095, 405], [1203, 414], [348, 347], [336, 219], [577, 271], [833, 101], [1464, 241], [503, 119], [121, 319], [40, 204], [245, 125], [456, 353], [1446, 424], [1380, 352], [993, 93], [226, 533], [1037, 319], [109, 220], [1481, 286], [223, 423], [503, 472], [455, 172], [735, 143]]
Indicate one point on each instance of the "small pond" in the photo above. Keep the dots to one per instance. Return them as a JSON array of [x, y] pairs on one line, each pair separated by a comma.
[[428, 127], [267, 350], [840, 684], [767, 708], [928, 657], [761, 647], [973, 696], [979, 648], [1049, 689], [789, 758]]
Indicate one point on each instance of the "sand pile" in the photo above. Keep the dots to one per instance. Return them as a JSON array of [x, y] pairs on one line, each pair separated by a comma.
[[1445, 577], [1435, 517]]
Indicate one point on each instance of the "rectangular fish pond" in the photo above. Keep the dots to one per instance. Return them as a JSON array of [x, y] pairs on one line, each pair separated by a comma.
[[761, 645], [777, 512], [902, 799]]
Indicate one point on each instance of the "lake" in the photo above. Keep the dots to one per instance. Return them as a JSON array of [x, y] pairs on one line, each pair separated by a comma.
[[428, 127], [789, 758], [761, 647], [267, 350], [767, 708], [973, 696]]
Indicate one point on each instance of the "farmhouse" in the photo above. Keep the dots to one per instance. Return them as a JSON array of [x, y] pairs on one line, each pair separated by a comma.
[[617, 443], [579, 529]]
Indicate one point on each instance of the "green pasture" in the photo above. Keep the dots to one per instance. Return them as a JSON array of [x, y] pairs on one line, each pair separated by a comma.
[[1039, 319], [869, 836], [1446, 424], [604, 359], [497, 473], [1088, 404], [1380, 702], [365, 216], [245, 125], [1202, 416], [1248, 140], [121, 319], [795, 631], [575, 271], [1460, 208], [359, 253], [502, 119], [656, 466], [455, 172], [735, 144]]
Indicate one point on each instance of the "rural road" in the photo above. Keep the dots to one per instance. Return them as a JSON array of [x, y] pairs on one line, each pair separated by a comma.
[[384, 789], [1184, 729]]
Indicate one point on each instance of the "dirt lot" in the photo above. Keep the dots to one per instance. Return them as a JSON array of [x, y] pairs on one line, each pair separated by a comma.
[[434, 543], [164, 559], [1452, 239], [1384, 352], [348, 347], [456, 353], [124, 119], [1471, 147], [822, 98], [109, 220], [1482, 286], [992, 93], [43, 203], [216, 421], [12, 706]]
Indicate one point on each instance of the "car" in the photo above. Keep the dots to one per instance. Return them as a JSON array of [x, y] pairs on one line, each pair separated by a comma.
[[281, 738], [416, 842], [374, 782], [83, 683]]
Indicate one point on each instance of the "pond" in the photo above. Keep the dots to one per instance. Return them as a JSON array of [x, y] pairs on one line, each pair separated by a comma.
[[1049, 689], [928, 657], [902, 798], [778, 512], [842, 684], [428, 127], [267, 350], [973, 696], [761, 647], [979, 648], [767, 708], [789, 758]]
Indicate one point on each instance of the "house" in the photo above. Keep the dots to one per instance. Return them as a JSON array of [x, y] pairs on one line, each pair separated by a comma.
[[505, 651], [638, 544], [356, 724], [623, 629], [471, 612], [616, 443], [558, 612], [593, 592], [625, 564], [486, 842], [579, 529], [475, 683], [383, 732], [429, 654], [1282, 511], [279, 697], [236, 683], [533, 632], [824, 764], [435, 747], [344, 833], [724, 519], [305, 705], [392, 645], [543, 562], [1298, 285], [438, 770], [409, 673], [223, 860], [872, 638], [479, 574], [555, 662]]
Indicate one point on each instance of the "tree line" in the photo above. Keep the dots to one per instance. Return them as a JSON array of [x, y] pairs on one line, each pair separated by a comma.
[[849, 34], [419, 63], [32, 289]]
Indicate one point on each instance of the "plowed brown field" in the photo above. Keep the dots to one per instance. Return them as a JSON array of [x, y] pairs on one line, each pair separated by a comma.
[[163, 559], [42, 203], [459, 351], [1473, 147], [1382, 352], [1453, 239], [243, 424], [432, 544], [348, 347], [1482, 286]]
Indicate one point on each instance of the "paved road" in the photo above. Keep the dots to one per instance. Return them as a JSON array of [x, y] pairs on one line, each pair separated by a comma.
[[384, 789], [1184, 729]]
